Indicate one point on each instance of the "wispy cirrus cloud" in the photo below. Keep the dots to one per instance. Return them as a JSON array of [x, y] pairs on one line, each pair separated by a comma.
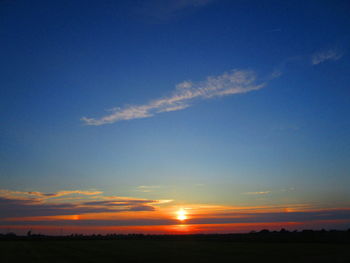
[[184, 95], [322, 56]]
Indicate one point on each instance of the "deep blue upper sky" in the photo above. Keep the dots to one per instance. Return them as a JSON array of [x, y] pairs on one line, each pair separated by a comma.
[[64, 60]]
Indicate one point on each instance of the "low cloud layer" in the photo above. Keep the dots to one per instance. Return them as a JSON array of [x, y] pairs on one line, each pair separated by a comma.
[[326, 55], [263, 216], [35, 194], [29, 204], [80, 208], [184, 95]]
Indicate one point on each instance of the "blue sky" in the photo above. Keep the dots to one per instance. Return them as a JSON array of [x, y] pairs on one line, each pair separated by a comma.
[[277, 123]]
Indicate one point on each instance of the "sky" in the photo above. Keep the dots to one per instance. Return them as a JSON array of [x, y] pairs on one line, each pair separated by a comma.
[[187, 116]]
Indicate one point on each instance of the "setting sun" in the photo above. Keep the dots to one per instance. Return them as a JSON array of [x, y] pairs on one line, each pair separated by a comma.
[[181, 215]]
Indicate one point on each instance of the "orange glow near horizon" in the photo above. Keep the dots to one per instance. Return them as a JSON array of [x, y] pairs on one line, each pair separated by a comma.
[[175, 219], [156, 229], [170, 229]]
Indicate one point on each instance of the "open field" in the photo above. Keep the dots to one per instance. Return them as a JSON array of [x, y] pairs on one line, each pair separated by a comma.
[[168, 251]]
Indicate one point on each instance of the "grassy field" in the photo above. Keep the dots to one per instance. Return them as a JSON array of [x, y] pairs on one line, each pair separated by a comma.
[[168, 251]]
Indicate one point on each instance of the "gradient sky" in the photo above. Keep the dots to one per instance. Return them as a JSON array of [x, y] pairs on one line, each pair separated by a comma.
[[117, 113]]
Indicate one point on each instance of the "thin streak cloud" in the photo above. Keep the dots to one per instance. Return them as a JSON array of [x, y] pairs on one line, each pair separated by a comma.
[[164, 10], [323, 56], [258, 193], [147, 188], [184, 96]]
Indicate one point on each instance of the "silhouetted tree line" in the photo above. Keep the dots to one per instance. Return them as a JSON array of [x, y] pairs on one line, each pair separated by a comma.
[[265, 235]]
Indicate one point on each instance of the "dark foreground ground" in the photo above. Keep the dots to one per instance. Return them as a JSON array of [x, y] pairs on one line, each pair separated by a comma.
[[142, 250]]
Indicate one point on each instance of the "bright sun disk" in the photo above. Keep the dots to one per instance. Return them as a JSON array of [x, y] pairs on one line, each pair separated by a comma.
[[181, 215]]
